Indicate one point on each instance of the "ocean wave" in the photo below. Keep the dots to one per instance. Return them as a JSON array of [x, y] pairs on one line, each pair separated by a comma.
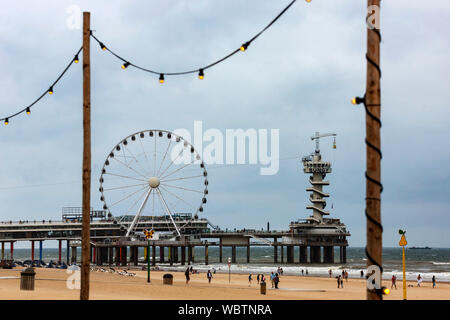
[[440, 263]]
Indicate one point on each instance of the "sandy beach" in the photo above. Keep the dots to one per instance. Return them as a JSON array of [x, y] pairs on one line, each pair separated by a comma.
[[52, 284]]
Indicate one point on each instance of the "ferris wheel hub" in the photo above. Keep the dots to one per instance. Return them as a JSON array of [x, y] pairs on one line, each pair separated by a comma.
[[154, 182]]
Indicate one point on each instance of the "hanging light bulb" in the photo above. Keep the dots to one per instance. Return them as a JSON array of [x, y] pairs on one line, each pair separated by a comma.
[[28, 110], [125, 65], [6, 121], [102, 46], [50, 90], [161, 78], [357, 100], [245, 46], [201, 75], [76, 60]]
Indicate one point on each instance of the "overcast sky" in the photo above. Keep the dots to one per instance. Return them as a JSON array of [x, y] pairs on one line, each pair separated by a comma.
[[298, 77]]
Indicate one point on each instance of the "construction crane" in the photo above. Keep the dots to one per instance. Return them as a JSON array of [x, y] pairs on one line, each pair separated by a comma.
[[317, 136]]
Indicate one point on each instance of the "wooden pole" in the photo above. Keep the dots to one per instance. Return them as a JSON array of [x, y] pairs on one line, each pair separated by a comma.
[[85, 250], [373, 149]]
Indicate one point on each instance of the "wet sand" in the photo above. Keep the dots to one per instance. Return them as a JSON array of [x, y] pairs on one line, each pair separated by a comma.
[[52, 284]]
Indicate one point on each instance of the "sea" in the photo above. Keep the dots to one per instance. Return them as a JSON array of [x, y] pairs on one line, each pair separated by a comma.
[[435, 261]]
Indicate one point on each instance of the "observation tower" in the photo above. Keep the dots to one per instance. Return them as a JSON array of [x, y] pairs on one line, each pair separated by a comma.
[[318, 169]]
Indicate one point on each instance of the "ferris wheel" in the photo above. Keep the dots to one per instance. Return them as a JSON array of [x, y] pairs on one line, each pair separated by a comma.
[[154, 173]]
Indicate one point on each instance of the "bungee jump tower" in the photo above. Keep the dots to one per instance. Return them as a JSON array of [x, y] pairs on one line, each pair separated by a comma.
[[317, 231]]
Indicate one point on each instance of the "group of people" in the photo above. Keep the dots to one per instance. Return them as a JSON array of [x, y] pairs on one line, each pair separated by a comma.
[[419, 281], [304, 272]]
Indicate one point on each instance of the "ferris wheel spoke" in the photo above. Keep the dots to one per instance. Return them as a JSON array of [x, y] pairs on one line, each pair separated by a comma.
[[128, 196], [187, 189], [172, 162], [145, 153], [154, 162], [164, 158], [143, 176], [168, 210], [125, 187], [179, 198], [126, 177], [169, 174], [135, 159], [183, 178], [137, 201]]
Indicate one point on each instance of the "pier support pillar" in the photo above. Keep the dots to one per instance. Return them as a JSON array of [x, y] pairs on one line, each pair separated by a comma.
[[315, 254], [59, 250], [94, 254], [153, 255], [233, 254], [98, 256], [3, 250], [110, 256], [118, 254], [74, 255], [183, 255], [170, 253], [175, 254], [68, 252], [290, 254], [282, 254], [206, 255], [193, 254], [161, 254], [303, 254], [135, 255], [11, 250], [328, 254], [220, 251], [344, 254], [248, 254], [32, 250], [124, 256], [275, 254], [189, 255], [40, 250]]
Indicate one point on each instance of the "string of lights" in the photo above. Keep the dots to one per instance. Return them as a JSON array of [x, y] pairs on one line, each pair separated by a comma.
[[201, 71], [126, 63], [27, 109]]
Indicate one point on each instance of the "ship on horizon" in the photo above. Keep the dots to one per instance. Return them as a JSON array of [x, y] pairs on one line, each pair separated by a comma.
[[421, 248]]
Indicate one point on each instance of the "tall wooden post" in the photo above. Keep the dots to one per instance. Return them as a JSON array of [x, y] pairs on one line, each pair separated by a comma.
[[373, 149], [85, 235]]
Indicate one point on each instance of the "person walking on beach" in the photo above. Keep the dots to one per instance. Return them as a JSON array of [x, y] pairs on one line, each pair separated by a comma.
[[346, 276], [419, 280], [434, 281], [272, 279], [276, 280], [394, 279], [263, 279], [209, 276], [257, 278], [362, 274], [186, 273], [302, 271], [249, 279], [330, 273], [338, 281], [342, 283], [306, 271]]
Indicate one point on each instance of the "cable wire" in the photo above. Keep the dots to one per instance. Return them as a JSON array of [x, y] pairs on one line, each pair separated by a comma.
[[28, 107], [243, 47]]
